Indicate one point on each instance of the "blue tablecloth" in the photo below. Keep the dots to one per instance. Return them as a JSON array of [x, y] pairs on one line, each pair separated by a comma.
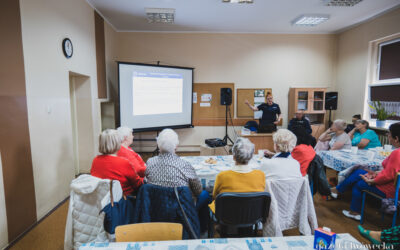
[[208, 172], [343, 241], [340, 160]]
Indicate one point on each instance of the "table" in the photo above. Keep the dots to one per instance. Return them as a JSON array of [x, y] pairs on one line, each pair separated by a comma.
[[260, 140], [340, 160], [343, 241], [208, 172]]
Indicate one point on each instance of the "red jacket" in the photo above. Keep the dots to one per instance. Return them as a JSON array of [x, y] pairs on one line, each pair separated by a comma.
[[134, 159], [116, 168], [304, 154], [385, 179]]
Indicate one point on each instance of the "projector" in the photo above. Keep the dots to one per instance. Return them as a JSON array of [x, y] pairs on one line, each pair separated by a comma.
[[215, 142]]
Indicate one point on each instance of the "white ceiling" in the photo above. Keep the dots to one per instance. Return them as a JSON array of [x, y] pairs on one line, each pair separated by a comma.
[[264, 16]]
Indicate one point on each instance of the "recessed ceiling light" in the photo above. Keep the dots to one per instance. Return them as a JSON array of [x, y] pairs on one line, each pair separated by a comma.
[[347, 3], [158, 15], [237, 1], [310, 19]]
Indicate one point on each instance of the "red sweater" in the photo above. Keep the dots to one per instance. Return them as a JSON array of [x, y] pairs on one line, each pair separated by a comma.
[[116, 168], [385, 179], [304, 154], [134, 159]]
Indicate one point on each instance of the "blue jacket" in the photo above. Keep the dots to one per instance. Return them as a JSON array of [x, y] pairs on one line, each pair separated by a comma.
[[159, 204]]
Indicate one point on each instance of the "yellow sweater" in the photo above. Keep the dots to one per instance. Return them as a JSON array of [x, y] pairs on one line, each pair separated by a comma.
[[231, 181]]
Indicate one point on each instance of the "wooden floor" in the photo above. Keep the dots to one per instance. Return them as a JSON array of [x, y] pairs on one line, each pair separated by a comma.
[[49, 234]]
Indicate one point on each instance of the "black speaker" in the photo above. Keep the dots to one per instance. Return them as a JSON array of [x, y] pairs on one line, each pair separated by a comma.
[[226, 96], [331, 99]]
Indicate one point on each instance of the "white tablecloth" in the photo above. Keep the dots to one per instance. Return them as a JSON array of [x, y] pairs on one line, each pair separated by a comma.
[[340, 160], [343, 241], [208, 172]]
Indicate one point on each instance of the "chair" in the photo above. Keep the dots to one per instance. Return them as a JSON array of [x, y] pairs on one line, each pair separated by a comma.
[[155, 231], [239, 211], [396, 200]]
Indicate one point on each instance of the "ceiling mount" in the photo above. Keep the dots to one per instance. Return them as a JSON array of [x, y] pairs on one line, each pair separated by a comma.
[[160, 15], [345, 3]]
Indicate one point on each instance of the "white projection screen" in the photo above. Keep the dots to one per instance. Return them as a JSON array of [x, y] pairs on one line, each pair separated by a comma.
[[153, 97]]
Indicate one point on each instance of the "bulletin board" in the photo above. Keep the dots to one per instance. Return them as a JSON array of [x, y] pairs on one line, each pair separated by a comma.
[[210, 109], [243, 111]]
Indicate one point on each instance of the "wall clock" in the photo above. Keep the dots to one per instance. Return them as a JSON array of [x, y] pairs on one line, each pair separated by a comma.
[[67, 48]]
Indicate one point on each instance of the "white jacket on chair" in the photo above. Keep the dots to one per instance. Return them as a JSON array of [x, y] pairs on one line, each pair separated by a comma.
[[89, 195], [291, 207]]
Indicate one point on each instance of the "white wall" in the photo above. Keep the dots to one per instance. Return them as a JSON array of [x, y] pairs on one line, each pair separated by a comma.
[[3, 215], [248, 60], [45, 23], [353, 46]]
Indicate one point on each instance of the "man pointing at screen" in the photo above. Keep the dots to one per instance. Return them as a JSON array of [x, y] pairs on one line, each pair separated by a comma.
[[271, 114]]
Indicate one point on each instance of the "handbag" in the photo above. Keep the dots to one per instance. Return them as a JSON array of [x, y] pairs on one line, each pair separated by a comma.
[[118, 213]]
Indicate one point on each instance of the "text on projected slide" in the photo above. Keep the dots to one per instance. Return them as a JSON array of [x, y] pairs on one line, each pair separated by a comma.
[[157, 93]]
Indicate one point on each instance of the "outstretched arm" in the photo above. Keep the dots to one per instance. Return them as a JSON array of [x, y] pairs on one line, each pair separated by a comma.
[[254, 108]]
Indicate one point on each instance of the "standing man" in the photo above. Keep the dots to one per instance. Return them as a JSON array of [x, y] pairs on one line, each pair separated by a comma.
[[271, 113], [300, 121]]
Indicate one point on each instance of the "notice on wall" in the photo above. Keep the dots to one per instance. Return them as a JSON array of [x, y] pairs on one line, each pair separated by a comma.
[[206, 97], [194, 97], [259, 98], [205, 104]]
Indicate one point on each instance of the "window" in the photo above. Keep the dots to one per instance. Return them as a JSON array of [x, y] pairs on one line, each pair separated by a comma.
[[384, 76]]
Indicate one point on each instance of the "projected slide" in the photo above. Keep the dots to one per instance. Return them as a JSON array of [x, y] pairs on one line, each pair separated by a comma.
[[152, 97], [157, 93]]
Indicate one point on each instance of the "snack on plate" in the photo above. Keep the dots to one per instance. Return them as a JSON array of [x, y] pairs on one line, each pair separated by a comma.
[[384, 153], [211, 161]]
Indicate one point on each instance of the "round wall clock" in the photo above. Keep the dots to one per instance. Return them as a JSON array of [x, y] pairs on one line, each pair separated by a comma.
[[67, 48]]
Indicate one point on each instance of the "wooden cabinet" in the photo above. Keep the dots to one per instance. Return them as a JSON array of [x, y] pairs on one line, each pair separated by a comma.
[[312, 101]]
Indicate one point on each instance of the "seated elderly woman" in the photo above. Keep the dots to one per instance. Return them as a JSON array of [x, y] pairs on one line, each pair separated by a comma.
[[126, 152], [303, 152], [363, 137], [282, 165], [168, 169], [109, 166], [381, 183], [335, 138], [241, 178]]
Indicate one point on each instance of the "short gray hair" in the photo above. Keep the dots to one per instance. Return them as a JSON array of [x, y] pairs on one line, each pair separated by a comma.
[[340, 124], [284, 140], [167, 141], [124, 132], [109, 142], [243, 150]]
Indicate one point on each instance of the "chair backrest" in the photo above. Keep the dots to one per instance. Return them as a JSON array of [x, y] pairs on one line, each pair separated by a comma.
[[242, 209], [154, 231]]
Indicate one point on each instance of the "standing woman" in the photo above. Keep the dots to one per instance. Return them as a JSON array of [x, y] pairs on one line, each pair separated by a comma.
[[271, 112]]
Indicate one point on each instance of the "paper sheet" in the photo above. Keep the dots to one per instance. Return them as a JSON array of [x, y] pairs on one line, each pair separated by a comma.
[[194, 97], [205, 104], [206, 97]]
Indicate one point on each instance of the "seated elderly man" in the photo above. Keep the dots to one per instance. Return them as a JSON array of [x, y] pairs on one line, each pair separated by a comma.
[[126, 152], [300, 121], [241, 178], [282, 165], [168, 169]]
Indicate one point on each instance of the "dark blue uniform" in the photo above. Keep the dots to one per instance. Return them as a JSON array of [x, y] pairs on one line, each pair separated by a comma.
[[270, 113], [300, 123]]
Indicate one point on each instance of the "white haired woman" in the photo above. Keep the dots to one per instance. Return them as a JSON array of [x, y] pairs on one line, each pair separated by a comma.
[[336, 137], [108, 165], [282, 165], [168, 169], [241, 178], [126, 152]]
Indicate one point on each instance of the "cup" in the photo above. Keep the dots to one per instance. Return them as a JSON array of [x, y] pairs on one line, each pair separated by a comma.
[[387, 147], [260, 153], [379, 149], [370, 155], [354, 150]]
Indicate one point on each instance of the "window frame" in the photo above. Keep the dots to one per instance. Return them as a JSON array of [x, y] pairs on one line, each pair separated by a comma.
[[393, 81]]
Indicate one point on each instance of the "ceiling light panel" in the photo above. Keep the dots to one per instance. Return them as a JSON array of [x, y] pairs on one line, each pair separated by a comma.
[[160, 15], [237, 1], [310, 20], [346, 3]]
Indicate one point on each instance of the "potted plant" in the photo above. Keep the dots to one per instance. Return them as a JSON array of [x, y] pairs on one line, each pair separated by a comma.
[[381, 113]]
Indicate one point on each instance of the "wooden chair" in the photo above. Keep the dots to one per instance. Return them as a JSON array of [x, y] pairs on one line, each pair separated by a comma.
[[154, 231], [396, 200]]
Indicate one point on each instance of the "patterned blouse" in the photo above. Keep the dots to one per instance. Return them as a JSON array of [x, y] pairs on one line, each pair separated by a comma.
[[169, 170]]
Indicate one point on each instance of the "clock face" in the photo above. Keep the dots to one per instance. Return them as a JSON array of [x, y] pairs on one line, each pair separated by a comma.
[[67, 48]]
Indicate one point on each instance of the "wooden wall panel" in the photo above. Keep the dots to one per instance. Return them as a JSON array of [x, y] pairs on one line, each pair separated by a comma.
[[14, 130]]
